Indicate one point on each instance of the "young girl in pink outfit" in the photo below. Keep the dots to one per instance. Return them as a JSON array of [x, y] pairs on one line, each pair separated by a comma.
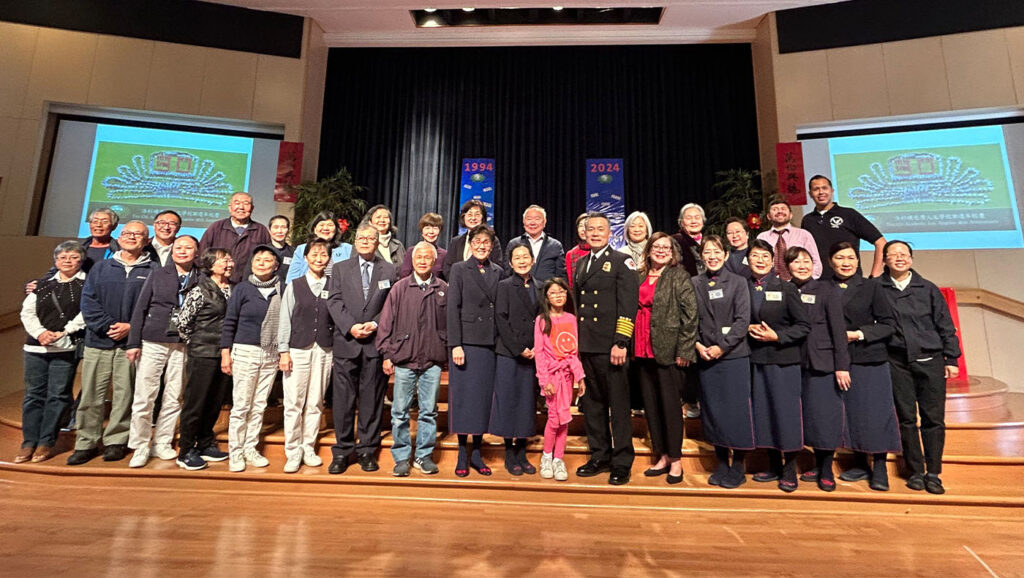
[[558, 369]]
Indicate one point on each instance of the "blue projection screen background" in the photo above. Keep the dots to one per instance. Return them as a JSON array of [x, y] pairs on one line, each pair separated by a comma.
[[953, 188]]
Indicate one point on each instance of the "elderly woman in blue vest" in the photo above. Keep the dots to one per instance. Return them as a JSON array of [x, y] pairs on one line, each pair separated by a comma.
[[514, 409], [472, 296], [304, 339], [871, 424], [826, 366], [778, 327], [199, 325], [723, 313], [389, 247], [249, 353], [323, 226], [54, 323], [154, 343]]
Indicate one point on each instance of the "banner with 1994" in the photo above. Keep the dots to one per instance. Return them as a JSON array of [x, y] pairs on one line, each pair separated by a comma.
[[478, 184]]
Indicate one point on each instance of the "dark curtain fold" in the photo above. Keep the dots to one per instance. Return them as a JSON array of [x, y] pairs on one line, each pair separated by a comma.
[[402, 120]]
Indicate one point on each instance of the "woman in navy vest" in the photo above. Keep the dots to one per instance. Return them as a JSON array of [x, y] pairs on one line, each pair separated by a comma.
[[199, 325], [304, 340], [778, 327], [53, 321], [472, 294], [723, 310], [871, 424], [514, 408], [826, 366]]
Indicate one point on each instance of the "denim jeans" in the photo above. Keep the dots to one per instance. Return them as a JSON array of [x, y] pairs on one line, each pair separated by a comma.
[[48, 381], [425, 383]]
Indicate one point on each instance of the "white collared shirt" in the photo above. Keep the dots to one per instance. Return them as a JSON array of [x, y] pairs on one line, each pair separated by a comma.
[[35, 328], [536, 244], [901, 285]]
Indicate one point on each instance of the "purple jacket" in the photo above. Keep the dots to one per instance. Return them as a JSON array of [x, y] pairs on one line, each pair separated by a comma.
[[412, 331], [221, 235]]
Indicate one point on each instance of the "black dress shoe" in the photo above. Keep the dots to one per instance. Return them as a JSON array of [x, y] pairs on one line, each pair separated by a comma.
[[619, 477], [916, 482], [879, 481], [655, 472], [338, 466], [368, 463], [79, 457], [592, 468], [674, 479], [765, 477], [115, 452], [733, 479], [854, 475], [933, 485]]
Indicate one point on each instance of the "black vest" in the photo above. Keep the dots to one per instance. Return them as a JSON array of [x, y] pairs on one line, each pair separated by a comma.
[[56, 304], [205, 340], [311, 322]]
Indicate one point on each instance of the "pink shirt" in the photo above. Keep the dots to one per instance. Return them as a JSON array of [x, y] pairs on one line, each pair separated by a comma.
[[795, 237]]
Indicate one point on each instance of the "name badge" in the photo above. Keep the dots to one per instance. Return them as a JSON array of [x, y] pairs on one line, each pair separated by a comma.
[[726, 330], [383, 284], [773, 295], [324, 294], [716, 294], [286, 261], [808, 299]]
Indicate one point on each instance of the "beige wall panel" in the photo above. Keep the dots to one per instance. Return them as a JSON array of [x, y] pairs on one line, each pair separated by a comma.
[[24, 258], [802, 90], [17, 47], [315, 57], [915, 74], [61, 69], [8, 146], [120, 75], [1015, 43], [176, 78], [947, 268], [18, 182], [1001, 271], [978, 69], [229, 82], [764, 92], [1005, 335], [974, 338], [857, 82], [279, 91]]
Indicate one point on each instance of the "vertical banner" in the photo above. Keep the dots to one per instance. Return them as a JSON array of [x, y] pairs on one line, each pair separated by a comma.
[[606, 194], [790, 158], [289, 171], [478, 184]]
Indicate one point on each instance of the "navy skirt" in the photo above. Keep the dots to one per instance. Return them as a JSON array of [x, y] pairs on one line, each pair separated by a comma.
[[824, 422], [725, 403], [470, 389], [871, 423], [778, 418], [514, 407]]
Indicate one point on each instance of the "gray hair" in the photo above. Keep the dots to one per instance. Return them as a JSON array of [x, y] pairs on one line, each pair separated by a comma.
[[424, 244], [689, 206], [108, 212], [240, 193], [69, 247], [537, 208], [367, 226]]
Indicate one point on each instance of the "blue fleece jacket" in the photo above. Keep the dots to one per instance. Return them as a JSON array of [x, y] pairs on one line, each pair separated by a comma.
[[111, 290]]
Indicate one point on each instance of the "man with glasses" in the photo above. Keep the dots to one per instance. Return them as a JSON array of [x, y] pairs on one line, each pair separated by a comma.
[[165, 230], [358, 288], [238, 234], [108, 300]]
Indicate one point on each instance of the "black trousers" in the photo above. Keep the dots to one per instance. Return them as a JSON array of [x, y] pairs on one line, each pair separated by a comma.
[[920, 387], [660, 385], [201, 403], [690, 380], [357, 383], [607, 396]]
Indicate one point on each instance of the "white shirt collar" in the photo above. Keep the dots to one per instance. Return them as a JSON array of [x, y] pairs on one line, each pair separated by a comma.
[[901, 285], [420, 281], [312, 280], [79, 275]]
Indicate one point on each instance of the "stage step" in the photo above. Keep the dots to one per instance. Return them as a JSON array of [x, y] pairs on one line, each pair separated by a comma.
[[974, 395]]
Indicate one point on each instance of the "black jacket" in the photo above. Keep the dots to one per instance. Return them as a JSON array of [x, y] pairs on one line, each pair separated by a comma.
[[924, 327], [160, 295], [779, 307], [515, 315], [825, 349], [607, 297], [458, 245], [548, 263], [723, 312], [866, 309], [472, 297]]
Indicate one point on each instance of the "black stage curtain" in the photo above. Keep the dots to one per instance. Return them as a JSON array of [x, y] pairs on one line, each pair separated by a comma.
[[402, 120]]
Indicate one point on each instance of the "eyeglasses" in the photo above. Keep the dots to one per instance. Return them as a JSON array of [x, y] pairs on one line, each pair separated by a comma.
[[366, 239], [71, 257], [131, 235], [163, 224], [481, 243], [100, 221], [557, 293]]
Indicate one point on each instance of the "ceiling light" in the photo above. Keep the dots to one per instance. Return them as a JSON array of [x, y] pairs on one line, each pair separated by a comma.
[[468, 9], [430, 10], [431, 22], [556, 8]]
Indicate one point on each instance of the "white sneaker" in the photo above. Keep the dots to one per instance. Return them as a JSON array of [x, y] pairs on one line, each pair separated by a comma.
[[293, 464], [139, 458], [254, 458], [560, 474], [546, 467], [310, 458], [236, 463], [164, 452]]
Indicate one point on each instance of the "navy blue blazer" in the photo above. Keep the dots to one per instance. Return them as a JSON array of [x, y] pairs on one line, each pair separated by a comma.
[[779, 307], [825, 348], [458, 245], [607, 298], [160, 295], [723, 312], [515, 315], [866, 309], [347, 306], [472, 297], [548, 263]]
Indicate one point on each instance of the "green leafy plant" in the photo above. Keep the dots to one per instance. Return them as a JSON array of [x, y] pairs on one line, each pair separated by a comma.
[[739, 195], [337, 194]]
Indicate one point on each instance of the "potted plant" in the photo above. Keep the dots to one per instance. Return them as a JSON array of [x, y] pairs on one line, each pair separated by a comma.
[[337, 194], [739, 196]]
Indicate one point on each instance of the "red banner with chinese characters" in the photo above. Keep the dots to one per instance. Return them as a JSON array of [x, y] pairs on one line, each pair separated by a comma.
[[791, 172], [950, 296], [289, 171]]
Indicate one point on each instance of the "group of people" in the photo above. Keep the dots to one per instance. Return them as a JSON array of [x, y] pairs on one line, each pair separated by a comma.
[[777, 343]]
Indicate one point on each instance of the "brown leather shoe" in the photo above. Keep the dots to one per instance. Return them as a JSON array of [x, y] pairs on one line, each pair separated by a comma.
[[24, 455], [42, 454]]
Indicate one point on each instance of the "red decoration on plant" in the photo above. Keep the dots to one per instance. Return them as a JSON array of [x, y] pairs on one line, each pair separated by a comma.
[[343, 225], [754, 221]]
